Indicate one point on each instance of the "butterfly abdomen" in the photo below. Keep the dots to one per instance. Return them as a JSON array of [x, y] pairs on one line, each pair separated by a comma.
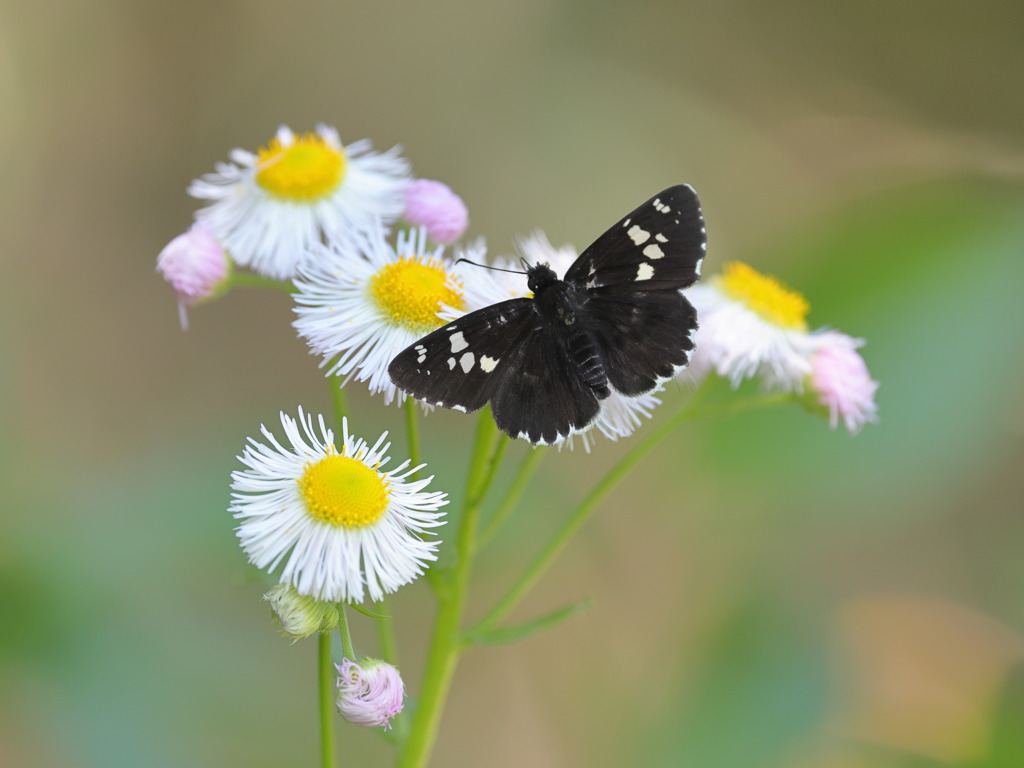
[[586, 356], [561, 308]]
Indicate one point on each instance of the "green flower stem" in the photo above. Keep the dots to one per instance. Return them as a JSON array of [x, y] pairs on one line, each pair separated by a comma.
[[746, 404], [339, 401], [347, 649], [446, 640], [494, 464], [542, 561], [412, 431], [253, 280], [328, 674], [386, 632], [483, 445], [513, 495], [326, 690]]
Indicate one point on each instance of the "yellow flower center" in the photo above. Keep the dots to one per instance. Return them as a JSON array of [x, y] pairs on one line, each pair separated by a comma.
[[411, 291], [306, 169], [343, 491], [765, 295]]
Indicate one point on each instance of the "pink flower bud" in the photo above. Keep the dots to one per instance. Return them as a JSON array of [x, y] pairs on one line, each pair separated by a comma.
[[433, 205], [195, 264], [369, 693], [840, 380]]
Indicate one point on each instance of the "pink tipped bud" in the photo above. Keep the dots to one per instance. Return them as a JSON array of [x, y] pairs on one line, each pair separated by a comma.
[[433, 205], [369, 693], [195, 264], [840, 381]]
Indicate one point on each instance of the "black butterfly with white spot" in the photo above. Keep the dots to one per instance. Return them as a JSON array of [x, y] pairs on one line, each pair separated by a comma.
[[617, 321]]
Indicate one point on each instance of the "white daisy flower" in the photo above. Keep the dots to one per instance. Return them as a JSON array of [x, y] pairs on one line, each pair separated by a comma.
[[620, 416], [271, 207], [750, 325], [358, 308], [342, 526]]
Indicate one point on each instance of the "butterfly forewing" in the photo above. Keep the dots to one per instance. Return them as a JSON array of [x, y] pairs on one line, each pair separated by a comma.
[[502, 354], [461, 364], [659, 246]]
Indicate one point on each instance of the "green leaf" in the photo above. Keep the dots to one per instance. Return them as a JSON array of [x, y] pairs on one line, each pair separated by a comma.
[[366, 611], [530, 628]]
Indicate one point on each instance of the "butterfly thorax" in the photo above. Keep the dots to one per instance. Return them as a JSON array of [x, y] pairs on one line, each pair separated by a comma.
[[560, 305]]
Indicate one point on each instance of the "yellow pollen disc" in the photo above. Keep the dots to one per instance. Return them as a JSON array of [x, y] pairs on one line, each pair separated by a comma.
[[343, 491], [306, 169], [411, 291], [765, 295]]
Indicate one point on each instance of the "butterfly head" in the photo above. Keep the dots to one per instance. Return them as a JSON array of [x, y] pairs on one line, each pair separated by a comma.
[[539, 276]]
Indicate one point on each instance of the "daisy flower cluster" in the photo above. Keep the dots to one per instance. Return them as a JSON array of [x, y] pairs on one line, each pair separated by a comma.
[[752, 326], [372, 259], [271, 210]]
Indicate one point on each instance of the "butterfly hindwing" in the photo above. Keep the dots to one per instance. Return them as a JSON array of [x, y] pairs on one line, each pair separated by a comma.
[[461, 364], [659, 246], [644, 337], [542, 398]]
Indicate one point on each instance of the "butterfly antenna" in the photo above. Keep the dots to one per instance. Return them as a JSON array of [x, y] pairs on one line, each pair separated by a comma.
[[487, 266]]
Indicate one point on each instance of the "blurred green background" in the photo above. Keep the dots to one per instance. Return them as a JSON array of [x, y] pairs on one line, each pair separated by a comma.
[[766, 592]]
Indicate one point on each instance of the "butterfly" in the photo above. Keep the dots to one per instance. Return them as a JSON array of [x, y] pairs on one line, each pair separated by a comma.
[[616, 321]]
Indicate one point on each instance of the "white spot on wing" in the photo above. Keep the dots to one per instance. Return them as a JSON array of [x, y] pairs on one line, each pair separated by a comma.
[[660, 206], [637, 235], [466, 361], [458, 342], [661, 238], [451, 363], [644, 272], [653, 251], [487, 364]]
